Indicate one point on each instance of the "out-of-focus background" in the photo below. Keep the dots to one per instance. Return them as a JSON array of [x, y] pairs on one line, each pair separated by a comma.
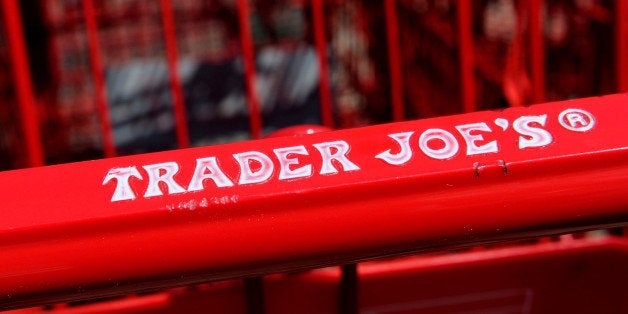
[[571, 53]]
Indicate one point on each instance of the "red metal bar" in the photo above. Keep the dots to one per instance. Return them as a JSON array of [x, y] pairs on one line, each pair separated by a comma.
[[491, 281], [394, 60], [23, 83], [178, 100], [130, 223], [621, 40], [318, 19], [98, 75], [465, 43], [486, 282], [537, 50], [248, 55]]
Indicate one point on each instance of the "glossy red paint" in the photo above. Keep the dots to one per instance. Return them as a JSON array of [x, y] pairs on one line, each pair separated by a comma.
[[544, 277], [299, 130], [520, 172], [567, 275]]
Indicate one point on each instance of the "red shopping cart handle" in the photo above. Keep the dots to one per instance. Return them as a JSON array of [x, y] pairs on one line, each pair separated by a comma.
[[131, 223]]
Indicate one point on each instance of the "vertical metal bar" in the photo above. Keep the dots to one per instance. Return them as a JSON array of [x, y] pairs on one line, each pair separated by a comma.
[[23, 82], [254, 293], [537, 50], [318, 20], [176, 89], [465, 42], [248, 56], [621, 40], [348, 296], [394, 60], [98, 74]]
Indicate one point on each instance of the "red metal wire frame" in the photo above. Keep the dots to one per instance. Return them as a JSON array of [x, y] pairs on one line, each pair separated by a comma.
[[248, 56], [20, 69], [287, 203], [98, 75], [178, 100], [465, 43], [621, 40], [318, 19], [394, 60], [537, 50]]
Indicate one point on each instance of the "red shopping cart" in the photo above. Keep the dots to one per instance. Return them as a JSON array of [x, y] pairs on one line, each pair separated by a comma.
[[515, 210]]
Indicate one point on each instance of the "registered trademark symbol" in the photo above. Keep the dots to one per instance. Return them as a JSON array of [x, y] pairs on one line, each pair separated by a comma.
[[576, 120]]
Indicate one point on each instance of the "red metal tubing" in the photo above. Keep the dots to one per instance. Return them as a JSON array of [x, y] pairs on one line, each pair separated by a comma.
[[23, 83], [465, 45], [248, 56], [318, 19], [178, 100], [98, 75], [394, 60], [537, 50], [621, 40], [485, 278], [132, 223]]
